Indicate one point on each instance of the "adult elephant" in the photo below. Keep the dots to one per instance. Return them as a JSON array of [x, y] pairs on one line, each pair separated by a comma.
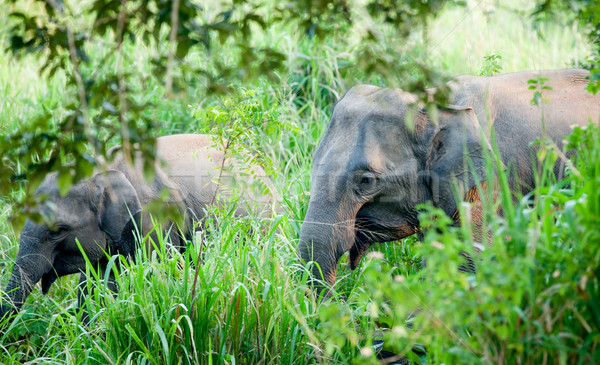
[[379, 157], [104, 212]]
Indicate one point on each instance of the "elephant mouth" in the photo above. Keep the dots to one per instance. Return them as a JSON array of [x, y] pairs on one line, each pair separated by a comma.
[[374, 233], [57, 269], [369, 233]]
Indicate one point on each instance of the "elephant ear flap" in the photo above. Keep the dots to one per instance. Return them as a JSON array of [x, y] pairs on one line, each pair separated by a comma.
[[117, 202], [456, 160]]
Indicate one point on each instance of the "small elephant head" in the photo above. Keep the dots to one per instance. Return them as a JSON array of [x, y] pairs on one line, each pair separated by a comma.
[[93, 213]]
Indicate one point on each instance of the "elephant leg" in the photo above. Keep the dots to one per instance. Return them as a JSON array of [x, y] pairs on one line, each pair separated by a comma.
[[178, 238]]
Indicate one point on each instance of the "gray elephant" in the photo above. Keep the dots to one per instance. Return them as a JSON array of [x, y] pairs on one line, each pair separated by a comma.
[[381, 156], [104, 211]]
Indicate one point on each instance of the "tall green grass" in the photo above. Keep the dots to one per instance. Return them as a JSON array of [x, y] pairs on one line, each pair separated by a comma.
[[533, 300]]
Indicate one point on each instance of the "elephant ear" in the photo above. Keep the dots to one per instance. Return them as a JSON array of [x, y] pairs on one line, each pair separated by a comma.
[[117, 201], [456, 157]]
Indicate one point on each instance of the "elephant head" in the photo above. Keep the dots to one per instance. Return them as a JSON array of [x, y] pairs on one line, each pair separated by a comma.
[[379, 158], [94, 212]]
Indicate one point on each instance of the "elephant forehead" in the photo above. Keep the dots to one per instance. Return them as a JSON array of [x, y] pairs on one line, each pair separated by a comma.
[[367, 134], [50, 188], [71, 210], [367, 99], [379, 118], [73, 207], [363, 148]]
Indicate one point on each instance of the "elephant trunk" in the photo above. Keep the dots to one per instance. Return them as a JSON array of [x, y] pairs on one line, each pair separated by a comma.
[[325, 236], [27, 271]]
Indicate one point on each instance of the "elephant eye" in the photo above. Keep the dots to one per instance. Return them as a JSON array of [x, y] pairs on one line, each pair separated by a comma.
[[366, 182], [58, 232]]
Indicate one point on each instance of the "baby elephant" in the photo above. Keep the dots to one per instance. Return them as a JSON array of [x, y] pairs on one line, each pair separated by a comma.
[[98, 212]]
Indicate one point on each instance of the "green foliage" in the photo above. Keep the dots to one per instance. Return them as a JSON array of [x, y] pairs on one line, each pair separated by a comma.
[[406, 14], [537, 84], [242, 121], [491, 65], [587, 14], [594, 85]]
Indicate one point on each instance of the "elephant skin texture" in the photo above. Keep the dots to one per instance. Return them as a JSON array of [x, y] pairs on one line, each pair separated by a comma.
[[381, 156], [103, 212]]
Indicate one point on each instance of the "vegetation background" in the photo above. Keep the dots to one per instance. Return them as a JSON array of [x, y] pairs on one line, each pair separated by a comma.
[[270, 86]]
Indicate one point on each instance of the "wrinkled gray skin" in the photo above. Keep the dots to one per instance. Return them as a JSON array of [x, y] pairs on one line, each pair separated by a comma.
[[98, 212], [378, 160]]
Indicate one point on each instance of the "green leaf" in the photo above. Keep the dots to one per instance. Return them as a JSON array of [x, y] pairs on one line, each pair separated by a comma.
[[65, 181]]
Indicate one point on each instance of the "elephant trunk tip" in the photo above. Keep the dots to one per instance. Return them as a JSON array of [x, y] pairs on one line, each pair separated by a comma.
[[322, 263], [323, 293]]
